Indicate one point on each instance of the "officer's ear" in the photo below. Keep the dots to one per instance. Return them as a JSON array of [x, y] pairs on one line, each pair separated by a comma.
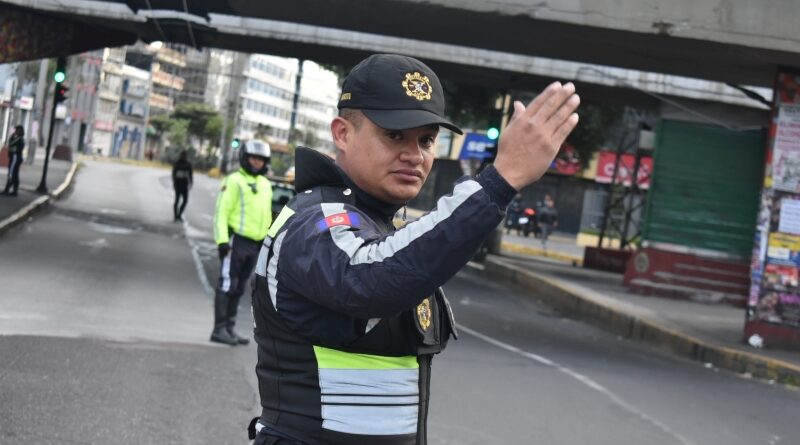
[[342, 132]]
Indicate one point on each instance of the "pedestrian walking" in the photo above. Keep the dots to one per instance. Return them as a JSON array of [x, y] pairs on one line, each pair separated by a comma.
[[349, 311], [548, 218], [181, 182], [16, 143], [243, 216]]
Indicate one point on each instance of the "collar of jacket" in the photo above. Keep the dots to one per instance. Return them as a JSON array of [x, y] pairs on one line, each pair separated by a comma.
[[246, 174], [314, 169]]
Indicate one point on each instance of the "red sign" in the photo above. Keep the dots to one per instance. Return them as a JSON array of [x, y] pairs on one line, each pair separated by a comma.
[[567, 161], [104, 125], [605, 169]]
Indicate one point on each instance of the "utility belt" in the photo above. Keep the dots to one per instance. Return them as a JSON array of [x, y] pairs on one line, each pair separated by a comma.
[[242, 238]]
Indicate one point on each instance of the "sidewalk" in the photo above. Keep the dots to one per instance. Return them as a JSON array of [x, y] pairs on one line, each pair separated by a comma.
[[560, 246], [16, 209], [711, 334]]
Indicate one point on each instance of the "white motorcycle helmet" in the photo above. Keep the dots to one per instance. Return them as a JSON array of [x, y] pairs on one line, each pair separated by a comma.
[[254, 148]]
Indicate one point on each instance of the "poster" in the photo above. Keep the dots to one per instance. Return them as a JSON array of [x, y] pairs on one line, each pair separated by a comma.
[[789, 218], [786, 150]]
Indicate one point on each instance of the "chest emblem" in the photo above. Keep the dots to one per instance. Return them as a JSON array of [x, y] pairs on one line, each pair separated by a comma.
[[417, 86], [424, 314]]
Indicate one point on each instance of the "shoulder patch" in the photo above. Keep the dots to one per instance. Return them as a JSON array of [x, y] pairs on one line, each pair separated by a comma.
[[350, 219]]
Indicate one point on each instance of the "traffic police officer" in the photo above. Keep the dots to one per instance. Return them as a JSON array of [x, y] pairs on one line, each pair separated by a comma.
[[243, 216], [348, 311]]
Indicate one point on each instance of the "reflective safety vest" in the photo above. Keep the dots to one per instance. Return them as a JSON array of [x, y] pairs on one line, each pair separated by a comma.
[[244, 207], [373, 390]]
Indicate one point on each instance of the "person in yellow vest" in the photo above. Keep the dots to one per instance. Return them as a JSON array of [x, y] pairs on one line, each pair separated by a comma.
[[243, 216]]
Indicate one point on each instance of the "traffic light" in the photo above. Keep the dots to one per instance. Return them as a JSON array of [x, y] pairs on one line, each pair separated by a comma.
[[61, 92], [493, 133], [235, 143], [61, 70]]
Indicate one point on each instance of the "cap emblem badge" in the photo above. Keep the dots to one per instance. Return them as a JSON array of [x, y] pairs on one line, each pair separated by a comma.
[[417, 86]]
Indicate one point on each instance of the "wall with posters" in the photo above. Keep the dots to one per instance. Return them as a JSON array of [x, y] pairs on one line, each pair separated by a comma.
[[773, 310]]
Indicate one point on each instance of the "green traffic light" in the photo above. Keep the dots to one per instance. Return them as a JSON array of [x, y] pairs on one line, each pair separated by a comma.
[[493, 133], [60, 76], [235, 143]]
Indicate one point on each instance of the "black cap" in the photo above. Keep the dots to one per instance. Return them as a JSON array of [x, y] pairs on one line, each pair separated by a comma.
[[396, 93]]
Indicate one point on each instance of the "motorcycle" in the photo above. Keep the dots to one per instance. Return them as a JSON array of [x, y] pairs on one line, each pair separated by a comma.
[[526, 222]]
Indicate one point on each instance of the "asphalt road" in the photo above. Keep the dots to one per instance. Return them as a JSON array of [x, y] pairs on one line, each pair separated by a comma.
[[105, 314]]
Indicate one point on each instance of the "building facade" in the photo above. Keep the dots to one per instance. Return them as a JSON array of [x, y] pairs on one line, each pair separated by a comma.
[[131, 123], [108, 99], [266, 101]]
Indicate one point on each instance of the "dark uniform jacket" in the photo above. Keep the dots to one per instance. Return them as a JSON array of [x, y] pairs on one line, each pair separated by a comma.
[[348, 311], [182, 174], [16, 144]]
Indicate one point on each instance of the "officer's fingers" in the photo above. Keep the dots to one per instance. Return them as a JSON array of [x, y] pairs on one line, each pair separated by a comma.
[[553, 103], [543, 97], [519, 110], [565, 129], [563, 113]]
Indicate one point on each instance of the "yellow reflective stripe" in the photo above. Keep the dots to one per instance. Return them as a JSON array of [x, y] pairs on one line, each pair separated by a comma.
[[285, 214], [335, 359]]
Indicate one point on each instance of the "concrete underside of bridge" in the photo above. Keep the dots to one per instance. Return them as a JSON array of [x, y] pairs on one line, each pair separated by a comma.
[[512, 27]]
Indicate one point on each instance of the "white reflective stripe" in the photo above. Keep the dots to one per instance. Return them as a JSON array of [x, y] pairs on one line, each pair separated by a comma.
[[370, 420], [355, 400], [261, 264], [369, 382], [342, 236], [272, 270], [375, 253], [226, 270], [370, 400], [241, 208], [372, 323]]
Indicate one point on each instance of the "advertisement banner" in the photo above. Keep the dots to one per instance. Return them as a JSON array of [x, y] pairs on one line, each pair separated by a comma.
[[475, 146], [605, 169]]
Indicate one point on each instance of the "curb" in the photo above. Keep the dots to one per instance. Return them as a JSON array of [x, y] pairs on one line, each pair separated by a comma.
[[603, 315], [38, 203], [527, 250]]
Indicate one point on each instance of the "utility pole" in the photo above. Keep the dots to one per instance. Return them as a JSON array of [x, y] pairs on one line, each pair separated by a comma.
[[60, 95], [298, 80], [39, 104]]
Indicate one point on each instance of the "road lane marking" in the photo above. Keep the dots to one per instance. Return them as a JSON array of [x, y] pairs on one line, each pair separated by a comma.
[[198, 264], [581, 378]]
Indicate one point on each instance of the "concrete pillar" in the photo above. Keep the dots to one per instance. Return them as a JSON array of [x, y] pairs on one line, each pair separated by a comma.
[[773, 310]]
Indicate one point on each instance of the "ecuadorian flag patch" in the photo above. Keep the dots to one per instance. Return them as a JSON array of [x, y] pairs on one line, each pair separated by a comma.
[[340, 219]]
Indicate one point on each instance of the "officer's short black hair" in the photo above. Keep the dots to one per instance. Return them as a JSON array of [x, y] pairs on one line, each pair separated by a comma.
[[352, 115]]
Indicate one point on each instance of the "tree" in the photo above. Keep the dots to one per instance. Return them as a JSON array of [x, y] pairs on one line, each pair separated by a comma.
[[596, 123], [296, 136], [262, 131], [213, 130], [198, 116], [311, 139], [470, 106], [161, 124]]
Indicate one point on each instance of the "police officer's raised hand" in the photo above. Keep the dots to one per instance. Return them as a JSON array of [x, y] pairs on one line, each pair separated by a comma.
[[223, 250], [535, 133]]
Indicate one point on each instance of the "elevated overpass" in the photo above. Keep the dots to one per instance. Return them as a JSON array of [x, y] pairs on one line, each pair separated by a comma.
[[737, 41]]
